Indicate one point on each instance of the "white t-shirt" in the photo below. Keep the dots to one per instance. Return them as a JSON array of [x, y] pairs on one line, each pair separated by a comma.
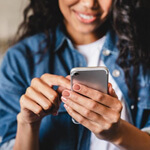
[[92, 52]]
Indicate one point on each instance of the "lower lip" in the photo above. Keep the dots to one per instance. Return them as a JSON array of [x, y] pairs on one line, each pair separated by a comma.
[[88, 21]]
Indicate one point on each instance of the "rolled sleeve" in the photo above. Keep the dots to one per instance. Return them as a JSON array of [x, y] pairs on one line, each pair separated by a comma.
[[12, 86], [8, 145], [147, 130]]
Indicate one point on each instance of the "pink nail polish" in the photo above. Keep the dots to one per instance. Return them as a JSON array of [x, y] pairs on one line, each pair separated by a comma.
[[64, 99], [66, 94], [76, 87]]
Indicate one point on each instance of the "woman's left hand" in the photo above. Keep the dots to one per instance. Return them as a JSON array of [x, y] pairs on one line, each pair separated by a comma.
[[95, 110]]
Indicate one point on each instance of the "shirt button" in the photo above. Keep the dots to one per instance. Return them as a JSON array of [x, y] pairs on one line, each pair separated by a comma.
[[116, 73], [106, 52], [132, 107], [139, 98]]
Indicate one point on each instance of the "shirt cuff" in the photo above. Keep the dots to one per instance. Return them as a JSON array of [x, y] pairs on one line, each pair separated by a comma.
[[8, 145], [147, 130]]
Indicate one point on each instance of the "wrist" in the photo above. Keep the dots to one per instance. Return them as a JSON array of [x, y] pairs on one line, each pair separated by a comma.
[[119, 134], [115, 136], [27, 137], [33, 125]]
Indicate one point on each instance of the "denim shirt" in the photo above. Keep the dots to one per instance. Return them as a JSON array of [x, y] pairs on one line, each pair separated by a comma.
[[20, 66]]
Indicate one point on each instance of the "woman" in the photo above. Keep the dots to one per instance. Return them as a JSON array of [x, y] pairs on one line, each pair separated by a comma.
[[58, 36]]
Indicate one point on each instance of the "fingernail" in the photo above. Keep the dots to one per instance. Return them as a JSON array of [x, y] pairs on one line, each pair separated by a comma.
[[76, 87], [65, 93], [63, 99], [65, 106]]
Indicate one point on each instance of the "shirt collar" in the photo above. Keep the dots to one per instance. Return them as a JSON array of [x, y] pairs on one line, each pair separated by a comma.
[[109, 44], [61, 37]]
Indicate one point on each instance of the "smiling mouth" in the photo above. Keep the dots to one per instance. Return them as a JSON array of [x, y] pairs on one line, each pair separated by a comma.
[[86, 18]]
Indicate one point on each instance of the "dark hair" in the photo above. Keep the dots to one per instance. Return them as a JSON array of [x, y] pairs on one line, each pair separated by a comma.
[[129, 20], [40, 16]]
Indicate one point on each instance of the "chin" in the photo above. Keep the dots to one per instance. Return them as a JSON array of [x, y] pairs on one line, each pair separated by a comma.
[[86, 30]]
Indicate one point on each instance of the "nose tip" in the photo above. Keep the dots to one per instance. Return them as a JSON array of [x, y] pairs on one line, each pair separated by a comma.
[[90, 3]]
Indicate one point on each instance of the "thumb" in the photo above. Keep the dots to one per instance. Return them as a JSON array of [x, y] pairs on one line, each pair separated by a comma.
[[111, 91]]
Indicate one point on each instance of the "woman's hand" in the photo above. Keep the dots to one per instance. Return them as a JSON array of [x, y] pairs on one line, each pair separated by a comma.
[[41, 99], [95, 110]]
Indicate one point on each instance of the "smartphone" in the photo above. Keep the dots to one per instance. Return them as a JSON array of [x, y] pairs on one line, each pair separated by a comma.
[[93, 77]]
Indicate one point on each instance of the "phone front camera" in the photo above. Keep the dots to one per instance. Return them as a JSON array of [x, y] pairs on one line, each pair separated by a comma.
[[76, 74]]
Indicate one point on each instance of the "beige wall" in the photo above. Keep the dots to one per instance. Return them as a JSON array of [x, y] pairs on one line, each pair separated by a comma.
[[11, 14]]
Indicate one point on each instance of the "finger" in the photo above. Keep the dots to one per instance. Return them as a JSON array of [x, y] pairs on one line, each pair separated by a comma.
[[111, 91], [90, 104], [39, 98], [61, 89], [68, 77], [47, 91], [56, 80], [27, 103], [109, 84], [98, 96], [88, 114], [80, 119]]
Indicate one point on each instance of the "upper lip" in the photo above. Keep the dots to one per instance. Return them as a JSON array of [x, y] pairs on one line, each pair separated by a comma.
[[88, 13]]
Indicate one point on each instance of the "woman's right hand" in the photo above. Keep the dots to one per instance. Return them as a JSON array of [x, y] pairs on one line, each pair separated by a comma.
[[41, 99]]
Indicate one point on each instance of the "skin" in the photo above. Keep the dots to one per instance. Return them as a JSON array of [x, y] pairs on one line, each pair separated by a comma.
[[97, 111], [84, 33]]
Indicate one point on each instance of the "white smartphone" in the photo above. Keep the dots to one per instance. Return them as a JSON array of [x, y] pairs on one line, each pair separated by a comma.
[[93, 77]]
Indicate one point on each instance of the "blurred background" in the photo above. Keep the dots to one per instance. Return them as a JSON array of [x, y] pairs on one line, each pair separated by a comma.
[[11, 15]]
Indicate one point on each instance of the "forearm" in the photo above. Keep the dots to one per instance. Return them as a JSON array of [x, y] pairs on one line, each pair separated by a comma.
[[27, 137], [131, 138]]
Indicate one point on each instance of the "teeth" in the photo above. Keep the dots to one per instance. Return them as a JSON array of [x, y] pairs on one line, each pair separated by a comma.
[[86, 16]]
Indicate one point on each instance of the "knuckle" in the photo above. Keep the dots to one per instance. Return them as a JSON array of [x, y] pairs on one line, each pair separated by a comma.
[[85, 90], [34, 81], [97, 130], [28, 90], [48, 105], [108, 126], [92, 105], [99, 96], [120, 106], [22, 100], [70, 112], [53, 97], [38, 110], [61, 78], [81, 120], [44, 76], [116, 118], [87, 113]]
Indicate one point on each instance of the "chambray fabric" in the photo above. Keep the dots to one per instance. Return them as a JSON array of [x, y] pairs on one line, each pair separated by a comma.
[[20, 65]]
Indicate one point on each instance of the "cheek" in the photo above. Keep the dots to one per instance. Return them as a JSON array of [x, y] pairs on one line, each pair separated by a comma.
[[65, 6], [67, 3], [105, 5]]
